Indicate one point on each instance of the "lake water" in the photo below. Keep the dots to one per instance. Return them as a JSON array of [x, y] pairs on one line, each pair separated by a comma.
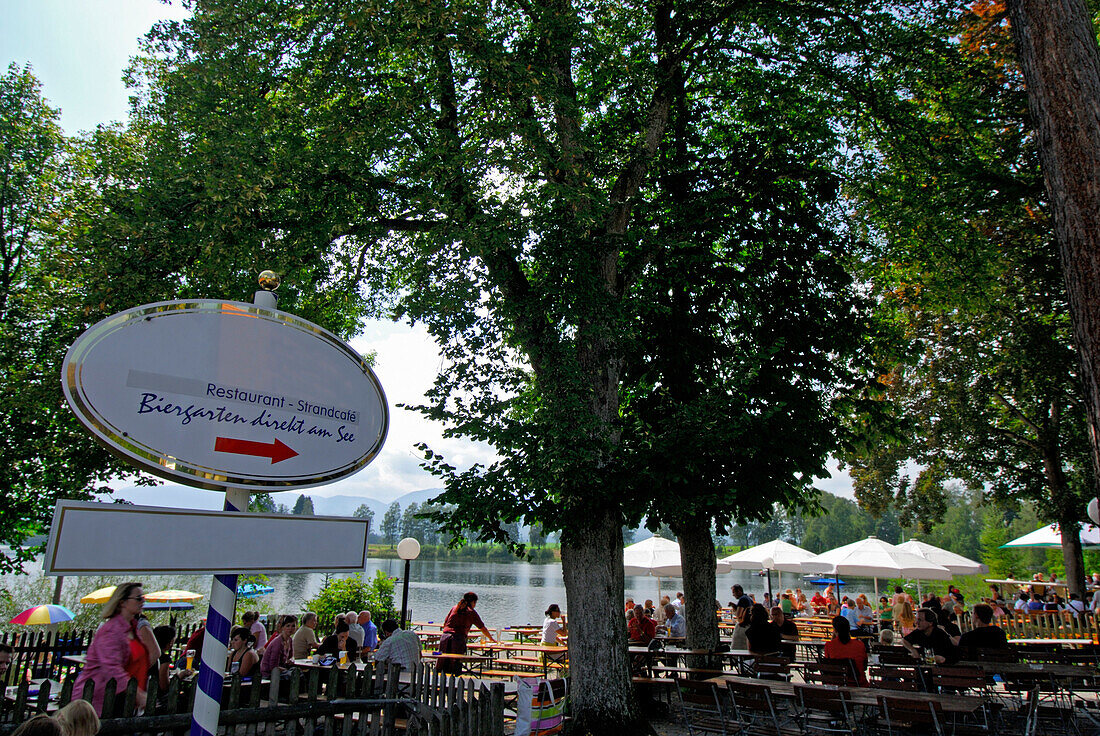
[[508, 593]]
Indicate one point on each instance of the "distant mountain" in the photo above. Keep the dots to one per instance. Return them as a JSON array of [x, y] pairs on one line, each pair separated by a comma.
[[346, 505]]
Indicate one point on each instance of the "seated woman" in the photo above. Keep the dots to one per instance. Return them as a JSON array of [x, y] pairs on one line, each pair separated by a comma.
[[340, 642], [885, 612], [843, 646], [242, 652], [763, 636], [166, 637]]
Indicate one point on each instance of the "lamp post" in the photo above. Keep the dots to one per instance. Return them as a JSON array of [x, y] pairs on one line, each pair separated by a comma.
[[408, 549], [768, 563]]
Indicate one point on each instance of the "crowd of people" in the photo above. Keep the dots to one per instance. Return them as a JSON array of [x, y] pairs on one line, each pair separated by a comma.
[[929, 630], [126, 646]]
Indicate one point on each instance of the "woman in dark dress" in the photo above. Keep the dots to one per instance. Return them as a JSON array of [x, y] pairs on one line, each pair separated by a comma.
[[455, 630]]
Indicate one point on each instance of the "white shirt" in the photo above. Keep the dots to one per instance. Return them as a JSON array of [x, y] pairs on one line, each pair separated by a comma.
[[550, 629], [356, 632]]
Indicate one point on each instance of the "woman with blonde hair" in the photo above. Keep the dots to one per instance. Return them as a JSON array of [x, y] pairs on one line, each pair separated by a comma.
[[904, 619], [116, 652], [78, 718]]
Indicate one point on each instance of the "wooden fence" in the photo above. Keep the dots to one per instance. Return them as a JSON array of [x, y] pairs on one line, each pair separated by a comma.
[[372, 700]]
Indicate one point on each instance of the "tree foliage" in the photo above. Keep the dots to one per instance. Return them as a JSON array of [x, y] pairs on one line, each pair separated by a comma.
[[44, 453], [509, 174], [391, 523], [984, 373], [354, 593]]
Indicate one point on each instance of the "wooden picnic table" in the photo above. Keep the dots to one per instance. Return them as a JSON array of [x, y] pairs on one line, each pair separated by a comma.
[[548, 654], [863, 696], [468, 664], [1055, 642]]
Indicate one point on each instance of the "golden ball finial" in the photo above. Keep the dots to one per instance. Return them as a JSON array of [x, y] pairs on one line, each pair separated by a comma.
[[269, 280]]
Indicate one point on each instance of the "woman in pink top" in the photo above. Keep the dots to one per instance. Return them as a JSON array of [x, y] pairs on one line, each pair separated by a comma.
[[251, 621], [115, 643], [280, 650]]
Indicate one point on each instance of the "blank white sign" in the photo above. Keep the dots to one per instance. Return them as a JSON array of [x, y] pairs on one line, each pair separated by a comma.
[[112, 539]]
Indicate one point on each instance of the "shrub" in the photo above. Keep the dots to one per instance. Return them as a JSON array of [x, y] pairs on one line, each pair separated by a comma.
[[340, 595]]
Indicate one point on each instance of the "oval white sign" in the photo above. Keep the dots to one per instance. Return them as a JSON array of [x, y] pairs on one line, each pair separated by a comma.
[[220, 394]]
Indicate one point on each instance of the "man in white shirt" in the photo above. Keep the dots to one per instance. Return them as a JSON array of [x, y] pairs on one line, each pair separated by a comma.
[[355, 631], [677, 626], [679, 603], [398, 646]]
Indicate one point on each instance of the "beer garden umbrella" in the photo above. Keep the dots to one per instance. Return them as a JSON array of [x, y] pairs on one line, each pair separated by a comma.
[[100, 596], [957, 564], [874, 558], [1051, 536], [775, 555], [45, 614], [657, 557], [175, 600], [252, 590]]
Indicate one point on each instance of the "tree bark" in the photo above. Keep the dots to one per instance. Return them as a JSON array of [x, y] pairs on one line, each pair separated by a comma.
[[602, 693], [1056, 46], [698, 560], [1073, 554]]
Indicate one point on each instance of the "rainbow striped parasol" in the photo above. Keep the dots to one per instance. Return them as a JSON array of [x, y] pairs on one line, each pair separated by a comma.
[[47, 614]]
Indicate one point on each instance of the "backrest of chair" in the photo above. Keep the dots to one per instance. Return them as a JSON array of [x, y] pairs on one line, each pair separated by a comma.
[[753, 704], [840, 672], [822, 699], [927, 715], [1019, 682], [698, 693], [892, 656], [1031, 723], [958, 677], [997, 655], [894, 677], [772, 665]]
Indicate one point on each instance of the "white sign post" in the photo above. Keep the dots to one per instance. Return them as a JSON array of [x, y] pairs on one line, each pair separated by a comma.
[[225, 396]]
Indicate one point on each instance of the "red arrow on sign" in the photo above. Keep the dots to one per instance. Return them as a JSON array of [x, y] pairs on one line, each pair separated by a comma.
[[277, 451]]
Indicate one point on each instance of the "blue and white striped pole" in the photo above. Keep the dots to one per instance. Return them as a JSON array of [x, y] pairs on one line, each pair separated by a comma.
[[223, 595], [219, 620]]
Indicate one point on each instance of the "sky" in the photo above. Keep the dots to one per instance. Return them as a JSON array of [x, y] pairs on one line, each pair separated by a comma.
[[78, 50]]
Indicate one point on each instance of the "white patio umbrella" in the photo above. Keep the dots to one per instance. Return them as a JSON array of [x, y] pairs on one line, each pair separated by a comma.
[[775, 555], [874, 558], [1051, 536], [657, 557], [957, 564]]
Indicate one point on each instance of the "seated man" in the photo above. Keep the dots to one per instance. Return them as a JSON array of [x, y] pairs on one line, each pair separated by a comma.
[[398, 646], [641, 629], [984, 635], [928, 636], [787, 630], [677, 626]]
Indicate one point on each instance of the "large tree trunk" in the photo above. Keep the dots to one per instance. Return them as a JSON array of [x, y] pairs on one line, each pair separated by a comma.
[[602, 693], [1062, 504], [1072, 554], [698, 560], [1056, 47]]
